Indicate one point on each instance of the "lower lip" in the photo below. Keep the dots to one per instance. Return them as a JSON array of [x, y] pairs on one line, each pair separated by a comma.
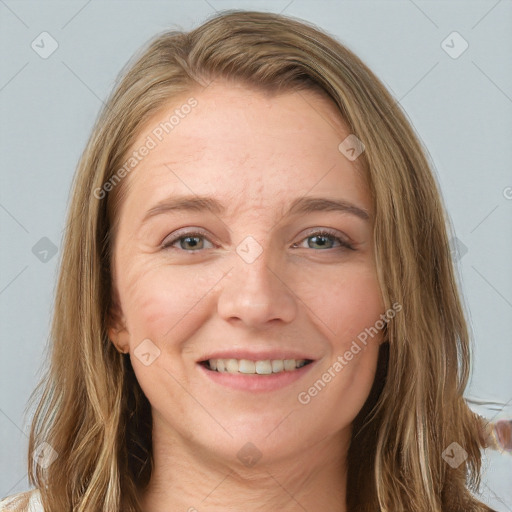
[[254, 382]]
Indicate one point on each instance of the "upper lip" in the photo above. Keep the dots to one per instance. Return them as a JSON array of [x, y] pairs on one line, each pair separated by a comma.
[[260, 355]]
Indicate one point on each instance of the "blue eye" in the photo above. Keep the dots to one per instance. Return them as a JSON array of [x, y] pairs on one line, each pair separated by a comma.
[[323, 235], [192, 238], [192, 241]]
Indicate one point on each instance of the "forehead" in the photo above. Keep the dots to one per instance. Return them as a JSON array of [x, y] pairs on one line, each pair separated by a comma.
[[253, 150]]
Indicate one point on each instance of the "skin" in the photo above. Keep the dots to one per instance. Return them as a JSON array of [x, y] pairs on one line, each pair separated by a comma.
[[256, 154]]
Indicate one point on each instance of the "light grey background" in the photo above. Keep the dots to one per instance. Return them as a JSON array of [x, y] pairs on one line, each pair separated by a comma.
[[461, 107]]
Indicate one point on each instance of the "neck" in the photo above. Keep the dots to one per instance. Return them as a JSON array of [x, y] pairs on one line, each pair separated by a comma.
[[190, 478]]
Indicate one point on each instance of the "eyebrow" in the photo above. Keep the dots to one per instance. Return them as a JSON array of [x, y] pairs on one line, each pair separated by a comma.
[[299, 206]]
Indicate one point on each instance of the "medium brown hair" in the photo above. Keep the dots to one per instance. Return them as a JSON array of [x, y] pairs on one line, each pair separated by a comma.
[[92, 411]]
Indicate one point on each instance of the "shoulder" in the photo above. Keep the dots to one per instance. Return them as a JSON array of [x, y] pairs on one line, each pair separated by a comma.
[[29, 501]]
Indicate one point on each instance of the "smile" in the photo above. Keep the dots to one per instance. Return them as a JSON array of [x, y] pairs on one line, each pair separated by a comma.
[[263, 367]]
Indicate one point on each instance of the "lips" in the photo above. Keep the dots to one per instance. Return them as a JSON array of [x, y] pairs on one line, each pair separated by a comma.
[[261, 381]]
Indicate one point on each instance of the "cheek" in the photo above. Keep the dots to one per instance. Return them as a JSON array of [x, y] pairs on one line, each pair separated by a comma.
[[161, 301], [345, 303], [337, 390], [353, 391], [158, 300], [348, 311]]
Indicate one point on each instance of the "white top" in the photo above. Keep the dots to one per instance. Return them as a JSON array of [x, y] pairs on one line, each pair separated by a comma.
[[9, 503]]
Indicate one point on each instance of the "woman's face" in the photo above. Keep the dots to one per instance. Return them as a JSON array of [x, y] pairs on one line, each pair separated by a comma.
[[240, 270]]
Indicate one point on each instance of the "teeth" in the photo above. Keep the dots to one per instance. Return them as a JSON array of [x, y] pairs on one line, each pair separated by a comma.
[[231, 365], [289, 365], [264, 367], [255, 367], [245, 366], [277, 365]]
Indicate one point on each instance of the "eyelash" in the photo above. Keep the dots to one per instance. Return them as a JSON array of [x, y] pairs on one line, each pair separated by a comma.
[[344, 245]]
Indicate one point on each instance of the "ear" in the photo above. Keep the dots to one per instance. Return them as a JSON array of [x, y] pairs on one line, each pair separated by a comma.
[[116, 329]]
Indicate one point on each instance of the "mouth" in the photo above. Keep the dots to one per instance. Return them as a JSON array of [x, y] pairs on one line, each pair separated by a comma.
[[249, 367]]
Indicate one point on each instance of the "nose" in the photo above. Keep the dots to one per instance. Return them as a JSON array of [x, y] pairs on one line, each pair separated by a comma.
[[256, 294]]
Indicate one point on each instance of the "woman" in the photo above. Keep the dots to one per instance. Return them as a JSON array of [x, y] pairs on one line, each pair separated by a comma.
[[211, 349]]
